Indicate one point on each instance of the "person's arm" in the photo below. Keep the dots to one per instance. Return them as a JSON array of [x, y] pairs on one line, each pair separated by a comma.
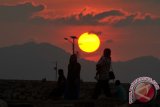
[[97, 75], [78, 70], [100, 61], [68, 74], [76, 76], [99, 65]]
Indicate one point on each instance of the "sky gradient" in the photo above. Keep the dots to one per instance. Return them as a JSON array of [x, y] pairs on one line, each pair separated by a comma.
[[131, 28]]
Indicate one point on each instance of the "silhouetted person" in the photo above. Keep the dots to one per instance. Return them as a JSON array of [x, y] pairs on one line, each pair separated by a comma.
[[102, 75], [73, 78], [61, 83], [120, 91], [3, 103], [44, 79]]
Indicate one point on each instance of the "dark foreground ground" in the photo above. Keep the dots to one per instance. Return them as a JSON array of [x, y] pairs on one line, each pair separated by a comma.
[[22, 93]]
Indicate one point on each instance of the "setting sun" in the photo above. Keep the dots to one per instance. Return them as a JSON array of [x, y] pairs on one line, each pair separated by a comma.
[[88, 42]]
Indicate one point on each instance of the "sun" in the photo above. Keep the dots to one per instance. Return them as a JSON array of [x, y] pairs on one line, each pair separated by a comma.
[[88, 42]]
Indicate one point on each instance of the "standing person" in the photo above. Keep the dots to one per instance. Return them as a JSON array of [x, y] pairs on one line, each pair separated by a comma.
[[73, 78], [102, 75]]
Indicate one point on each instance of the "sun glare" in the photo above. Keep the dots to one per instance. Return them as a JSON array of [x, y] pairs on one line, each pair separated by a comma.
[[88, 42]]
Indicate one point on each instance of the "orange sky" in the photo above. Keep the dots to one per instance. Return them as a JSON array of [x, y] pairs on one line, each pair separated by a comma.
[[129, 28]]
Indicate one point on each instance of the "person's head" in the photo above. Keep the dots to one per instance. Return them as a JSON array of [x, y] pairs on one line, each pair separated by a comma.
[[117, 83], [107, 52], [60, 72], [73, 58]]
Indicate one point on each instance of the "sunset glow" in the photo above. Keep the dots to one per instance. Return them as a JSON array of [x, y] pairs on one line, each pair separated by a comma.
[[40, 37], [124, 27]]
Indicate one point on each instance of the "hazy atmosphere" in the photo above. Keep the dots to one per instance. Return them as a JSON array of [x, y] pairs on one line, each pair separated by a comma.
[[129, 28], [32, 36], [79, 53]]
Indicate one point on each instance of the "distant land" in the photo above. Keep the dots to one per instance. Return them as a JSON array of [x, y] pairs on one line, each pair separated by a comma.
[[34, 61]]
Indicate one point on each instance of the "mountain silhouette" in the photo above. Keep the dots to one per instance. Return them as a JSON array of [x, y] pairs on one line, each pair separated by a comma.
[[34, 61], [138, 67]]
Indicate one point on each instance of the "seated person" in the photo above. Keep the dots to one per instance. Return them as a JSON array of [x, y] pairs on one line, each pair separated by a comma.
[[61, 82], [60, 88], [120, 91]]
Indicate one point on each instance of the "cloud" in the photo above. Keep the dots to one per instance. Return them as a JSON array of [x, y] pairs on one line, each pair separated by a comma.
[[88, 19], [118, 18], [20, 12], [143, 1], [114, 18], [132, 20], [17, 23], [109, 41]]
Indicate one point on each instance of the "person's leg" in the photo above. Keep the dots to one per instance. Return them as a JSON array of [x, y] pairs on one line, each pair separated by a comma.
[[60, 91], [67, 93], [97, 90], [77, 90], [106, 88]]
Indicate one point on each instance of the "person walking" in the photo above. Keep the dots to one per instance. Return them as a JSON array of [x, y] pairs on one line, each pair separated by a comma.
[[102, 75]]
